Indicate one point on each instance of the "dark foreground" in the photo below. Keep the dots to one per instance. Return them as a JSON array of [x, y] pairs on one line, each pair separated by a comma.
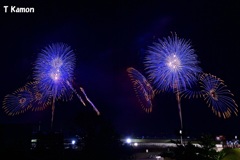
[[43, 155], [76, 155]]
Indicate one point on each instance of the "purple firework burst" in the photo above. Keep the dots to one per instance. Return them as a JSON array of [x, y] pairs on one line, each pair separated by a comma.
[[54, 67], [54, 71], [18, 102], [171, 64], [218, 97]]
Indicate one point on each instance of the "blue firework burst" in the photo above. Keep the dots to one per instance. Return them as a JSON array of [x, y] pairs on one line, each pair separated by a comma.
[[218, 97], [53, 72], [18, 102], [171, 64], [54, 67], [195, 91]]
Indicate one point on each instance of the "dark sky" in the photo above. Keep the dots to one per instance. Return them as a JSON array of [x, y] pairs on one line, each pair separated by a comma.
[[109, 37]]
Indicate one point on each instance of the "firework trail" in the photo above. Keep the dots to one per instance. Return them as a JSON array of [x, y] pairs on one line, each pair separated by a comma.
[[142, 88], [80, 98], [96, 110]]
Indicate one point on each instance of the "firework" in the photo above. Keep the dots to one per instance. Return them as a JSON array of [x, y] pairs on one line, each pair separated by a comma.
[[172, 65], [53, 69], [53, 74], [74, 90], [40, 101], [18, 102], [194, 92], [142, 88], [218, 97], [96, 110]]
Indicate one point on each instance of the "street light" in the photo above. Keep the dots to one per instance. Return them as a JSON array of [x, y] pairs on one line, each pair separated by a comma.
[[180, 132]]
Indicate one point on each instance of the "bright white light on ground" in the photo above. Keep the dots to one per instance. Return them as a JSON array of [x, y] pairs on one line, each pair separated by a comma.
[[128, 140], [135, 144], [73, 142]]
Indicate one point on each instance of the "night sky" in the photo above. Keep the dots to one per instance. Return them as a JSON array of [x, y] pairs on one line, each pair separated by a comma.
[[109, 37]]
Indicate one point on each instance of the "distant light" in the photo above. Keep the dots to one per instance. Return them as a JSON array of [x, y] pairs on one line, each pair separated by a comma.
[[128, 140], [33, 140], [219, 145], [135, 144], [73, 142]]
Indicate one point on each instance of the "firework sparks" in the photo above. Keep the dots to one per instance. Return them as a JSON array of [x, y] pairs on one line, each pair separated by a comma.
[[94, 107], [40, 101], [17, 102], [53, 69], [172, 65], [217, 96], [142, 88], [53, 74]]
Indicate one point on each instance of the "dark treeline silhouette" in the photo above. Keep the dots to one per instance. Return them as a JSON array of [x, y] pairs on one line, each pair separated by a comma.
[[99, 140]]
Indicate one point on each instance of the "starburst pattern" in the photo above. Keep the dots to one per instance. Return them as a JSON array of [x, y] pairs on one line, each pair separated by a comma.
[[18, 102], [172, 64], [218, 97], [52, 81], [53, 69], [40, 101], [195, 91], [142, 88]]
